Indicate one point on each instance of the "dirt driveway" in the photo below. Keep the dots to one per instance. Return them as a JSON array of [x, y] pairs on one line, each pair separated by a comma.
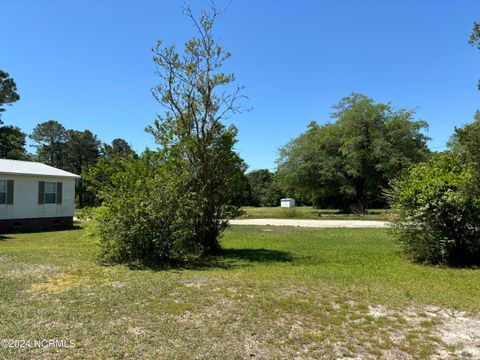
[[312, 223]]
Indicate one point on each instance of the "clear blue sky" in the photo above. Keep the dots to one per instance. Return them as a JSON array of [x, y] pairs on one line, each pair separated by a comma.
[[88, 63]]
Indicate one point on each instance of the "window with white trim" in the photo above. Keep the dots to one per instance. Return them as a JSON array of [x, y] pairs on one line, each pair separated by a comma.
[[50, 192]]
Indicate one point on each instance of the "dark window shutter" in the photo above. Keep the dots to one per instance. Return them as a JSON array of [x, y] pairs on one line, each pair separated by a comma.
[[10, 192], [59, 192], [41, 192]]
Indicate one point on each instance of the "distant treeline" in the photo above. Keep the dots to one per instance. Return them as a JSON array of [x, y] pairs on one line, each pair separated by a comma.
[[346, 164]]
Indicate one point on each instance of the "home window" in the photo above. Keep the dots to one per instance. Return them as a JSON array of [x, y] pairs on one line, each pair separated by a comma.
[[50, 192], [3, 191]]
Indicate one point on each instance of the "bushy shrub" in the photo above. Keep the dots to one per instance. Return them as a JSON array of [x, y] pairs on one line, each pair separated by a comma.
[[147, 215], [434, 216]]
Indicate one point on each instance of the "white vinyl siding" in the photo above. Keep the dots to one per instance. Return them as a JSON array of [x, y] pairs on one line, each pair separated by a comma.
[[25, 196]]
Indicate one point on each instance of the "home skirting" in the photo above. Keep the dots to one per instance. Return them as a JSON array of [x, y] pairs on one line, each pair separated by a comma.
[[34, 224]]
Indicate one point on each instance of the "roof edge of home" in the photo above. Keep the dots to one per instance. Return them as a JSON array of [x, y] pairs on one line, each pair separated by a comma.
[[72, 176]]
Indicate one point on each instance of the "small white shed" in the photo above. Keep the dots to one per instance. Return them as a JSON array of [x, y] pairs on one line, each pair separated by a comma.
[[287, 203], [35, 196]]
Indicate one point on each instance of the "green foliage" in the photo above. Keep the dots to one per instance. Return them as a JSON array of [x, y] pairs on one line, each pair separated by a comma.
[[147, 214], [70, 150], [119, 147], [263, 189], [310, 167], [8, 92], [81, 150], [50, 137], [347, 163], [198, 96], [113, 160], [12, 139], [12, 143], [177, 201], [475, 39], [98, 177], [466, 142], [241, 193], [435, 218]]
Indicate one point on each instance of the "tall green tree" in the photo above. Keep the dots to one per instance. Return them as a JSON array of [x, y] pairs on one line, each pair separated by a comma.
[[8, 92], [377, 142], [12, 139], [81, 150], [119, 147], [12, 143], [51, 138], [175, 202], [198, 97], [310, 167], [263, 191], [114, 159], [347, 163], [475, 39]]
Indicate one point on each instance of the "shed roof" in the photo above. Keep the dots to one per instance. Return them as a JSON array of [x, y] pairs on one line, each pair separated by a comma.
[[18, 167]]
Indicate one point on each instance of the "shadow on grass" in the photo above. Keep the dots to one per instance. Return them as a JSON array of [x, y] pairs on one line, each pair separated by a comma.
[[226, 259], [4, 237], [256, 255]]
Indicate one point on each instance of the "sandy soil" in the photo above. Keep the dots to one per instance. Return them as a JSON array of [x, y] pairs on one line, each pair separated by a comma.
[[312, 223], [456, 329]]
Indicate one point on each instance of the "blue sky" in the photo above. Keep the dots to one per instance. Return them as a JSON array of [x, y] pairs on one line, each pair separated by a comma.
[[88, 64]]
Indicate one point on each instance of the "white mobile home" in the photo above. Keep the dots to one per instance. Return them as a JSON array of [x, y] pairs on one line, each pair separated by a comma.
[[35, 196]]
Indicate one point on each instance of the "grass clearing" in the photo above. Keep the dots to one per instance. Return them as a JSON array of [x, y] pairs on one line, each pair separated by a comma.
[[274, 293], [309, 213]]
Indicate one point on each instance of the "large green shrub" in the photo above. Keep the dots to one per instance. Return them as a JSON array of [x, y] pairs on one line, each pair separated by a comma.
[[146, 215], [435, 217]]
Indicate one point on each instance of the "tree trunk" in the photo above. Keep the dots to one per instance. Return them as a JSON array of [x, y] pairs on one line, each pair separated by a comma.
[[359, 207], [209, 229]]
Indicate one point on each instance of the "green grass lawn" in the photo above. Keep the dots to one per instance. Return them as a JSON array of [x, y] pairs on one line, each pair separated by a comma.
[[307, 212], [274, 293]]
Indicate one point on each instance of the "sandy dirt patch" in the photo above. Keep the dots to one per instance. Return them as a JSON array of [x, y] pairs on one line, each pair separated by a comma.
[[312, 223]]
